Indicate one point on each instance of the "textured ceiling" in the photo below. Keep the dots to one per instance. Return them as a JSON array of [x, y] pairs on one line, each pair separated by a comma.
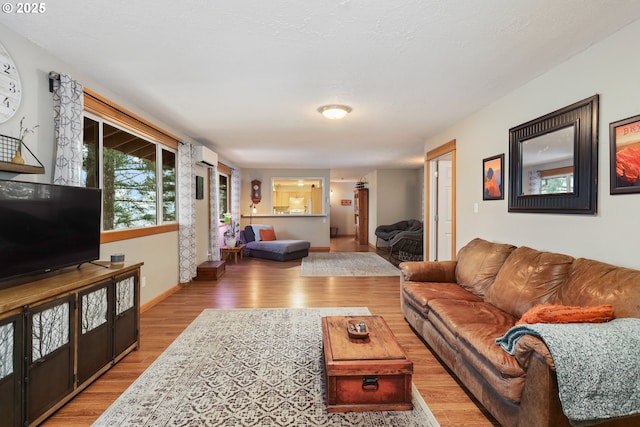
[[246, 77]]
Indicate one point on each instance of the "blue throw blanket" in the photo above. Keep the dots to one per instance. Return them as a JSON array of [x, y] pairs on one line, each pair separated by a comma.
[[597, 366]]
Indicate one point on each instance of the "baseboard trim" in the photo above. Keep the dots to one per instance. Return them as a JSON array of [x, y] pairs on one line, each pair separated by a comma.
[[157, 300], [319, 249]]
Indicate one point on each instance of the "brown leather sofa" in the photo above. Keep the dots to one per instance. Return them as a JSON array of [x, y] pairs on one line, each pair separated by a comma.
[[460, 307]]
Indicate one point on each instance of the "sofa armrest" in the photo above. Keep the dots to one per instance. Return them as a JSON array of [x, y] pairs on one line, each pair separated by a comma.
[[428, 271], [527, 346]]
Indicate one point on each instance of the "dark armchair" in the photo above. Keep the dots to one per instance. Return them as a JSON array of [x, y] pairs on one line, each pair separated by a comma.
[[407, 246], [388, 232]]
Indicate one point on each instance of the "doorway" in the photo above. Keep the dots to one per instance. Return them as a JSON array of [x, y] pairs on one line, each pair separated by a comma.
[[440, 218]]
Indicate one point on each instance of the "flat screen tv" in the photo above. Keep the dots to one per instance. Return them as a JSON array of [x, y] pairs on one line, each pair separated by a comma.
[[44, 227]]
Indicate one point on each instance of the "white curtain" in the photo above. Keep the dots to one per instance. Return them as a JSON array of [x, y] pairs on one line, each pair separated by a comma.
[[68, 105], [235, 195], [214, 216], [186, 213], [535, 182]]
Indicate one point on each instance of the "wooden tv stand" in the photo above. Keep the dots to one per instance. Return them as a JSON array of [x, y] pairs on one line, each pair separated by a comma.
[[63, 330]]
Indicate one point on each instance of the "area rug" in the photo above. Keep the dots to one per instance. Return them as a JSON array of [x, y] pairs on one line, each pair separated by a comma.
[[246, 367], [346, 264]]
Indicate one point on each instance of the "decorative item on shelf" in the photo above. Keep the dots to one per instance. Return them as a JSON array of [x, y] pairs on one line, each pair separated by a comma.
[[361, 184], [231, 233], [117, 260], [17, 157]]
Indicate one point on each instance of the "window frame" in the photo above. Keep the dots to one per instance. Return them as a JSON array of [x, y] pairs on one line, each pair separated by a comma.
[[100, 109], [224, 170]]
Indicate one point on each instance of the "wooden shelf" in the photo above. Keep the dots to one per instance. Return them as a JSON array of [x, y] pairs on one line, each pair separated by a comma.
[[12, 167], [8, 146]]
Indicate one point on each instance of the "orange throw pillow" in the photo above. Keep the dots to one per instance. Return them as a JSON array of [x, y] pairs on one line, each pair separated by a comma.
[[267, 234], [551, 313]]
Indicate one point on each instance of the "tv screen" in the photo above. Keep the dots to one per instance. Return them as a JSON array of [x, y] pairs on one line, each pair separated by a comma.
[[44, 227]]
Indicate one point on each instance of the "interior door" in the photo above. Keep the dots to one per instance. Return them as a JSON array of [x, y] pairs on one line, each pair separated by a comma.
[[444, 214], [440, 215]]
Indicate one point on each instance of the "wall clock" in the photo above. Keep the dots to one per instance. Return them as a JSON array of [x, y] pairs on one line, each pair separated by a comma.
[[256, 192], [10, 86]]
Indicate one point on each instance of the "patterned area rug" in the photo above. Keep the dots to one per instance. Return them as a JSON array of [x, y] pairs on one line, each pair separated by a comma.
[[246, 367], [346, 264]]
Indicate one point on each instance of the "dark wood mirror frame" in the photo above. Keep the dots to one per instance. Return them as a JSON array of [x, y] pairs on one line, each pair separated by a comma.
[[583, 117]]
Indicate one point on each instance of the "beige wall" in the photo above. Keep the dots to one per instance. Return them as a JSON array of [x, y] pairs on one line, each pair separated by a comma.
[[315, 229], [159, 252], [394, 195], [609, 69]]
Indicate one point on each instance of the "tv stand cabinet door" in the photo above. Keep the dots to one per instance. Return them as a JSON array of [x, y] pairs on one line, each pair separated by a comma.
[[95, 346], [49, 354], [126, 313], [11, 343]]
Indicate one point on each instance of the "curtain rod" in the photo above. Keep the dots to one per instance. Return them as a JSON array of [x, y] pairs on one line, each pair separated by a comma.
[[53, 77]]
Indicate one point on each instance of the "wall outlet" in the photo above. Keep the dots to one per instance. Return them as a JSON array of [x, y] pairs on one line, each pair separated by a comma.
[[143, 281], [475, 208]]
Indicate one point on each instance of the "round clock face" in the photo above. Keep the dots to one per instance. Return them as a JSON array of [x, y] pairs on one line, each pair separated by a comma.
[[10, 86], [255, 187]]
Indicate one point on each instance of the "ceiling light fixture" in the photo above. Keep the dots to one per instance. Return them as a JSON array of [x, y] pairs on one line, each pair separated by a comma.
[[334, 112]]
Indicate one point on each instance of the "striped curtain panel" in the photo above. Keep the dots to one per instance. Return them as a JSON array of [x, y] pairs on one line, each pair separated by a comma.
[[186, 213], [68, 106]]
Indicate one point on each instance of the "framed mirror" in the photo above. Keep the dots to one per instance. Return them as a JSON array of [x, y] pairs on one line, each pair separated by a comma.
[[553, 161]]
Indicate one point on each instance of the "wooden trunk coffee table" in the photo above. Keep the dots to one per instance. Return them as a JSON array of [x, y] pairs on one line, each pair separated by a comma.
[[370, 374]]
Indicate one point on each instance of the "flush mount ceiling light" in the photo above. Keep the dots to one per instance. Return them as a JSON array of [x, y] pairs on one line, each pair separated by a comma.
[[334, 112]]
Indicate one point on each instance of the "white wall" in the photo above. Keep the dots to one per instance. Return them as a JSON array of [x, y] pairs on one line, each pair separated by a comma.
[[608, 68], [342, 215], [158, 252]]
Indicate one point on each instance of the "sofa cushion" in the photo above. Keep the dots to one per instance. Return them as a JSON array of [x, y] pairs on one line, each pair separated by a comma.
[[528, 277], [420, 294], [594, 283], [479, 262], [474, 326], [279, 246], [256, 230], [267, 234], [553, 313]]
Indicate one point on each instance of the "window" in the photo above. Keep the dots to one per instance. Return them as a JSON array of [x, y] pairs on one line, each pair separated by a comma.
[[557, 184], [298, 196], [136, 174], [224, 190], [223, 195], [556, 180]]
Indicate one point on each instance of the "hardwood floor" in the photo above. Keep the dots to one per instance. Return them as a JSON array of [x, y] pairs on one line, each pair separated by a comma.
[[256, 283]]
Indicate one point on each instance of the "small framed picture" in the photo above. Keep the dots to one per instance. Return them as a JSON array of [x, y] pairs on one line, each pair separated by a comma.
[[624, 139], [492, 178], [199, 187]]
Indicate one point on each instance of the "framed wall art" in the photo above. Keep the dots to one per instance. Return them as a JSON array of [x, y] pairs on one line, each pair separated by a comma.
[[493, 178], [624, 140]]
